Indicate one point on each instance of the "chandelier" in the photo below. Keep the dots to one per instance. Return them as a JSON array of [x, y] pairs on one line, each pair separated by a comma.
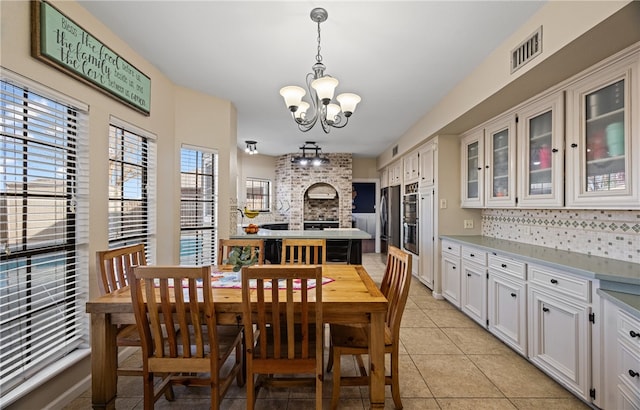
[[251, 148], [311, 155], [321, 89]]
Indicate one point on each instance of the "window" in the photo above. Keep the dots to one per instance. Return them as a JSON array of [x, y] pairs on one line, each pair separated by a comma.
[[198, 206], [130, 156], [258, 194], [43, 232]]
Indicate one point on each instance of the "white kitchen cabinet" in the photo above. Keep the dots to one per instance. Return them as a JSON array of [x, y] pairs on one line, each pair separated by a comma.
[[451, 272], [473, 284], [602, 154], [395, 173], [488, 164], [559, 327], [427, 248], [541, 153], [472, 162], [427, 165], [507, 302], [500, 162], [384, 178], [411, 167], [621, 358]]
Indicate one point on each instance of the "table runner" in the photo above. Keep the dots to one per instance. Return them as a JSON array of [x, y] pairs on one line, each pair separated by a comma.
[[233, 280]]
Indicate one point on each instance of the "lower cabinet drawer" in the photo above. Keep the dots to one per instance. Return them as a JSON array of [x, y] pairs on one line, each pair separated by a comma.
[[629, 368], [629, 330], [508, 266], [560, 282]]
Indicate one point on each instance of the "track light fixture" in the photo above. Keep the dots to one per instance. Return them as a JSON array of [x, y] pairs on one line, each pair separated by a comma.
[[251, 147]]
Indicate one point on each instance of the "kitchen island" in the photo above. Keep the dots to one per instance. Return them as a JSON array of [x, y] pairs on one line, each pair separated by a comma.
[[343, 245]]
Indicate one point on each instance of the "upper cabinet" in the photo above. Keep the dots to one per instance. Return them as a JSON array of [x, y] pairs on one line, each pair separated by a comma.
[[602, 156], [541, 153], [411, 167], [595, 165], [488, 164], [384, 178], [395, 173], [500, 161], [472, 151], [427, 165]]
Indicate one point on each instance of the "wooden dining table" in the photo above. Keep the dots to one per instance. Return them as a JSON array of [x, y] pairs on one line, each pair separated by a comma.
[[352, 297]]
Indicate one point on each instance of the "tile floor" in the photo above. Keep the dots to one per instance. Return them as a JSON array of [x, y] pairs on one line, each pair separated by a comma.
[[447, 361]]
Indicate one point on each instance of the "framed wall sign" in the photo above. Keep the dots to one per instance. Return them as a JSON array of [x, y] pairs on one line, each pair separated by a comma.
[[60, 42]]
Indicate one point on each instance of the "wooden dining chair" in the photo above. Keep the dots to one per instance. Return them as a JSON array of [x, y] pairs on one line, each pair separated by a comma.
[[256, 247], [282, 315], [303, 251], [114, 268], [354, 339], [181, 342]]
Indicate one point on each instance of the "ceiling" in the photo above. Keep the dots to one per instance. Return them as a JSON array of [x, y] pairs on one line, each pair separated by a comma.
[[400, 57]]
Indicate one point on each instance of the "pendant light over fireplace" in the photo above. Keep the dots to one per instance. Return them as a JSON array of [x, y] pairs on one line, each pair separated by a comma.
[[311, 155], [321, 89]]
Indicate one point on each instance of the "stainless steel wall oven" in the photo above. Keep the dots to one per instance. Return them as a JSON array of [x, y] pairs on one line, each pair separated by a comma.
[[410, 222]]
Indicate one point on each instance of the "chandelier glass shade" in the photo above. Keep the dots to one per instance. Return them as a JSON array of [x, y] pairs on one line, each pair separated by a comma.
[[321, 88], [251, 148], [311, 154]]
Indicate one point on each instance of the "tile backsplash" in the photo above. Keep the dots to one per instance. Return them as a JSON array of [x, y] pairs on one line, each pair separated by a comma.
[[606, 233]]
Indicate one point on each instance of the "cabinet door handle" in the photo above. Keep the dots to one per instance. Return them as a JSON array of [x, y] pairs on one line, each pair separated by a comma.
[[504, 265], [453, 267], [633, 333], [449, 247], [472, 255], [574, 145], [554, 281], [513, 295], [545, 309], [633, 374], [479, 168], [486, 166], [554, 150]]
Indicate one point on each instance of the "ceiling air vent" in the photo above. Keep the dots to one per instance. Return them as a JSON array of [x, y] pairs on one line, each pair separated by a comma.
[[526, 50]]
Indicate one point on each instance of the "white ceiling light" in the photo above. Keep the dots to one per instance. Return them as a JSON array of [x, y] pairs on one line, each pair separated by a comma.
[[321, 89]]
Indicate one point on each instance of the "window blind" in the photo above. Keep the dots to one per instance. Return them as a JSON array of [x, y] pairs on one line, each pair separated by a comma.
[[130, 183], [198, 206], [43, 232]]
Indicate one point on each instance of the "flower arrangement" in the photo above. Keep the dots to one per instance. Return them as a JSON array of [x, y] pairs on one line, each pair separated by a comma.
[[241, 256]]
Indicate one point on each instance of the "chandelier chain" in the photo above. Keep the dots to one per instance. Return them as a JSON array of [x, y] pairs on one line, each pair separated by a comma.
[[318, 56]]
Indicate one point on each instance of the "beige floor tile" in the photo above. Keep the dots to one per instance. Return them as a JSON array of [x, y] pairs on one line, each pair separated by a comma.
[[475, 404], [425, 340], [413, 404], [450, 318], [475, 340], [516, 377], [450, 376], [570, 403], [416, 318]]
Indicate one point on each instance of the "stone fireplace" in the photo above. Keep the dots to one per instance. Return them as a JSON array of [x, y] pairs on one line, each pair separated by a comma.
[[293, 181]]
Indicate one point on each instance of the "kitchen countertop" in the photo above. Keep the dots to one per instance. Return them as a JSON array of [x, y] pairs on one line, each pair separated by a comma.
[[324, 234], [619, 280], [613, 273]]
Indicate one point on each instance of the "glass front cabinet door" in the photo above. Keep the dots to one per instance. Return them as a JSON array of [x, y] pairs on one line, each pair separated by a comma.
[[500, 155], [541, 153], [472, 159], [601, 152]]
